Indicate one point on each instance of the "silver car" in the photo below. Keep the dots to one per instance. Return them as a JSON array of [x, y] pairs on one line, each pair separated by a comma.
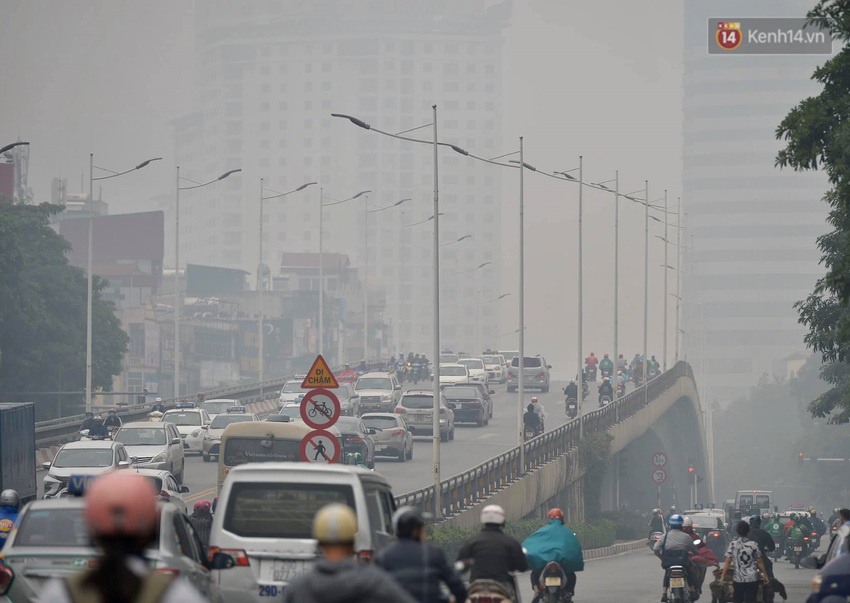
[[154, 445], [417, 407], [85, 458], [535, 370], [52, 541], [392, 436], [349, 400]]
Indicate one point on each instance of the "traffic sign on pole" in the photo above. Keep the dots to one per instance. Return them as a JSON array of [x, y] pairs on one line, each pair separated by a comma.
[[659, 459], [659, 476], [320, 408], [320, 446], [319, 375]]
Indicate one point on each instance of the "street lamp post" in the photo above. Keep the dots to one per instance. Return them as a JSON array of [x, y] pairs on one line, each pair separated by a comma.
[[646, 288], [438, 507], [89, 261], [679, 267], [261, 284], [179, 188], [616, 192]]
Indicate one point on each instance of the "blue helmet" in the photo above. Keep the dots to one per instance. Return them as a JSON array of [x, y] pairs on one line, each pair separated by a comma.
[[676, 521]]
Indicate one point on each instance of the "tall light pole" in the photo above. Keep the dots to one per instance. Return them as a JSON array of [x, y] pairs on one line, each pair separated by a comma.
[[179, 188], [438, 510], [646, 288], [679, 268], [616, 191], [261, 281], [89, 261], [322, 205], [366, 212]]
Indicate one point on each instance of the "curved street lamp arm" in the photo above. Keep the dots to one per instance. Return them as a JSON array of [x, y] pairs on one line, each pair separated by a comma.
[[116, 174], [199, 185], [279, 194]]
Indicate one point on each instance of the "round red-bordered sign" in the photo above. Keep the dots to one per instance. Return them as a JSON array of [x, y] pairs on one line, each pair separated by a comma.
[[659, 459], [320, 446], [320, 408], [659, 476]]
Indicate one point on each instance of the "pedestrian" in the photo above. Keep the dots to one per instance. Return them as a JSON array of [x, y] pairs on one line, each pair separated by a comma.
[[744, 557]]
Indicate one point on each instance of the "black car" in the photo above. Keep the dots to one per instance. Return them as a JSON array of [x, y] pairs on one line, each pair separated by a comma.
[[468, 404], [356, 437], [485, 392]]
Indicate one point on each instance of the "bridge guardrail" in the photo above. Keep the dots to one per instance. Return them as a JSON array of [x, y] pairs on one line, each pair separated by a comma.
[[57, 431], [473, 485]]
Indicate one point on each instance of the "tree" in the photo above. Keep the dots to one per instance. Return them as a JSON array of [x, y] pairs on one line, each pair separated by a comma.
[[43, 311], [817, 135]]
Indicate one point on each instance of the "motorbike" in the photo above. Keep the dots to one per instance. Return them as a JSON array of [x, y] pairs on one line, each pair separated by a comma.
[[603, 400], [529, 433], [621, 389], [680, 590], [409, 374], [553, 585], [605, 372], [653, 538], [797, 550], [590, 370], [814, 540], [572, 408], [585, 390], [488, 591], [653, 373]]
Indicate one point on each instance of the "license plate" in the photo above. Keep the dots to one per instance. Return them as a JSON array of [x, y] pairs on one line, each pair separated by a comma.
[[677, 582], [552, 581], [798, 548], [285, 570], [421, 419], [379, 446]]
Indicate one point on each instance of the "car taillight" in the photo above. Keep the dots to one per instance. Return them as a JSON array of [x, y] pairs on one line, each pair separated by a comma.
[[541, 376], [398, 432], [7, 576], [365, 555], [715, 534], [400, 410], [168, 571], [239, 555], [473, 403]]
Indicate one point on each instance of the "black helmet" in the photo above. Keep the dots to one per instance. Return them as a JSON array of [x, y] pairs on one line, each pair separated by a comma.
[[406, 520]]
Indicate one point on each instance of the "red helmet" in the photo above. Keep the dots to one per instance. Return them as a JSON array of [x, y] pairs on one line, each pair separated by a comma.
[[556, 514], [121, 504], [203, 505], [606, 355]]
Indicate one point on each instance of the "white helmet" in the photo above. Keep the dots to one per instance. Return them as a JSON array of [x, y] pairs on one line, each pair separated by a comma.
[[493, 514], [158, 400], [687, 522]]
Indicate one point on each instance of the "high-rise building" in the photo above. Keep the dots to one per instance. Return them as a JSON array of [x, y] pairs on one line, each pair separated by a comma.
[[269, 74], [751, 227]]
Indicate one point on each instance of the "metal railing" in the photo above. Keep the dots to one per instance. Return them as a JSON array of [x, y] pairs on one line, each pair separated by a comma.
[[58, 431], [472, 486]]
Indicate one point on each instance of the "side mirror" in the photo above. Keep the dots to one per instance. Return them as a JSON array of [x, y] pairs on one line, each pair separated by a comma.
[[371, 431], [123, 464], [548, 366], [46, 466], [221, 561], [184, 489], [397, 386], [176, 440], [492, 391]]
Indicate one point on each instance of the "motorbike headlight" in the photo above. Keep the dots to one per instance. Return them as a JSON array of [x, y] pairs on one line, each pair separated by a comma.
[[816, 583], [160, 457]]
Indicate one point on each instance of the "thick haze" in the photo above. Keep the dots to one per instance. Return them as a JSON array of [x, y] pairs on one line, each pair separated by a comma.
[[580, 78]]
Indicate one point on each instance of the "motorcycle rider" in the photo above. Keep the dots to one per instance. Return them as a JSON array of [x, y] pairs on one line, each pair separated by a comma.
[[605, 389], [362, 368], [98, 429], [817, 523], [764, 542], [337, 575], [112, 419], [87, 422], [531, 419], [773, 528], [541, 412], [747, 558], [571, 390], [201, 520], [494, 554], [606, 365], [556, 532], [656, 522], [347, 375], [622, 365], [418, 566], [621, 383], [158, 406], [675, 548], [705, 556], [590, 365], [122, 518], [10, 507], [794, 534]]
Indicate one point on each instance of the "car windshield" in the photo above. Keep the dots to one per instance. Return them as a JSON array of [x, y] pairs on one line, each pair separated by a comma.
[[84, 457], [374, 383], [418, 401], [473, 363], [460, 393], [348, 424], [293, 412], [222, 421], [380, 422], [53, 528], [141, 436], [182, 418], [491, 360], [528, 362], [215, 407], [453, 371], [239, 451], [448, 358], [293, 387], [279, 510]]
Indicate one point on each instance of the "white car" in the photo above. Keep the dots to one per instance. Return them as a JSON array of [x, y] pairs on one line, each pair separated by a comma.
[[497, 370], [293, 411], [165, 483], [85, 459], [192, 424], [154, 445], [291, 392], [453, 373], [477, 370], [219, 405], [379, 392]]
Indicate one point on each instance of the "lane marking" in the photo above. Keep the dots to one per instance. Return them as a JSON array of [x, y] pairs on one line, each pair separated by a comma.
[[200, 495]]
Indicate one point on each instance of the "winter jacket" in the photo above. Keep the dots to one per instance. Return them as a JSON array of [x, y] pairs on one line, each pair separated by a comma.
[[495, 555], [345, 582], [419, 568]]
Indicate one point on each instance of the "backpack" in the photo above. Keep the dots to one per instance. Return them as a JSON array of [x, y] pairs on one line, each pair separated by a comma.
[[154, 587], [669, 557]]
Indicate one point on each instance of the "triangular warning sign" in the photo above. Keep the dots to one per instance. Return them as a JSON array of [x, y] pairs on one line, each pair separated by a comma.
[[319, 375]]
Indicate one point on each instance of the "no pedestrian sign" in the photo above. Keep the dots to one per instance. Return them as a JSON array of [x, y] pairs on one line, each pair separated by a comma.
[[320, 446], [659, 476], [319, 375], [320, 408]]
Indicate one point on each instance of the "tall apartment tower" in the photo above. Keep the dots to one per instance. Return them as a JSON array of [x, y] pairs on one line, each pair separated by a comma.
[[270, 73], [751, 227]]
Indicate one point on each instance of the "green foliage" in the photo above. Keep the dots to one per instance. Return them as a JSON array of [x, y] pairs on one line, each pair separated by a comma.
[[817, 136], [43, 310], [594, 453], [629, 525], [590, 536]]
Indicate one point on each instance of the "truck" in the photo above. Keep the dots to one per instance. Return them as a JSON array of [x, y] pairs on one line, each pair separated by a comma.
[[17, 450], [748, 501]]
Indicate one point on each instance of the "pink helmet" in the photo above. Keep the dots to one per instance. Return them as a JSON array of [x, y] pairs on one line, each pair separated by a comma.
[[203, 505], [121, 504]]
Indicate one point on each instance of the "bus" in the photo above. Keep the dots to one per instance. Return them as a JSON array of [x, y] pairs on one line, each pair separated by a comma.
[[262, 441]]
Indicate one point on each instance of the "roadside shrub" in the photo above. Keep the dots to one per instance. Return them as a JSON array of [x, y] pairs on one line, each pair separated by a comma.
[[631, 525]]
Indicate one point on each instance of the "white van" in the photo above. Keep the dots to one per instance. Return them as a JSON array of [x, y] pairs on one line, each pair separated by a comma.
[[264, 521]]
